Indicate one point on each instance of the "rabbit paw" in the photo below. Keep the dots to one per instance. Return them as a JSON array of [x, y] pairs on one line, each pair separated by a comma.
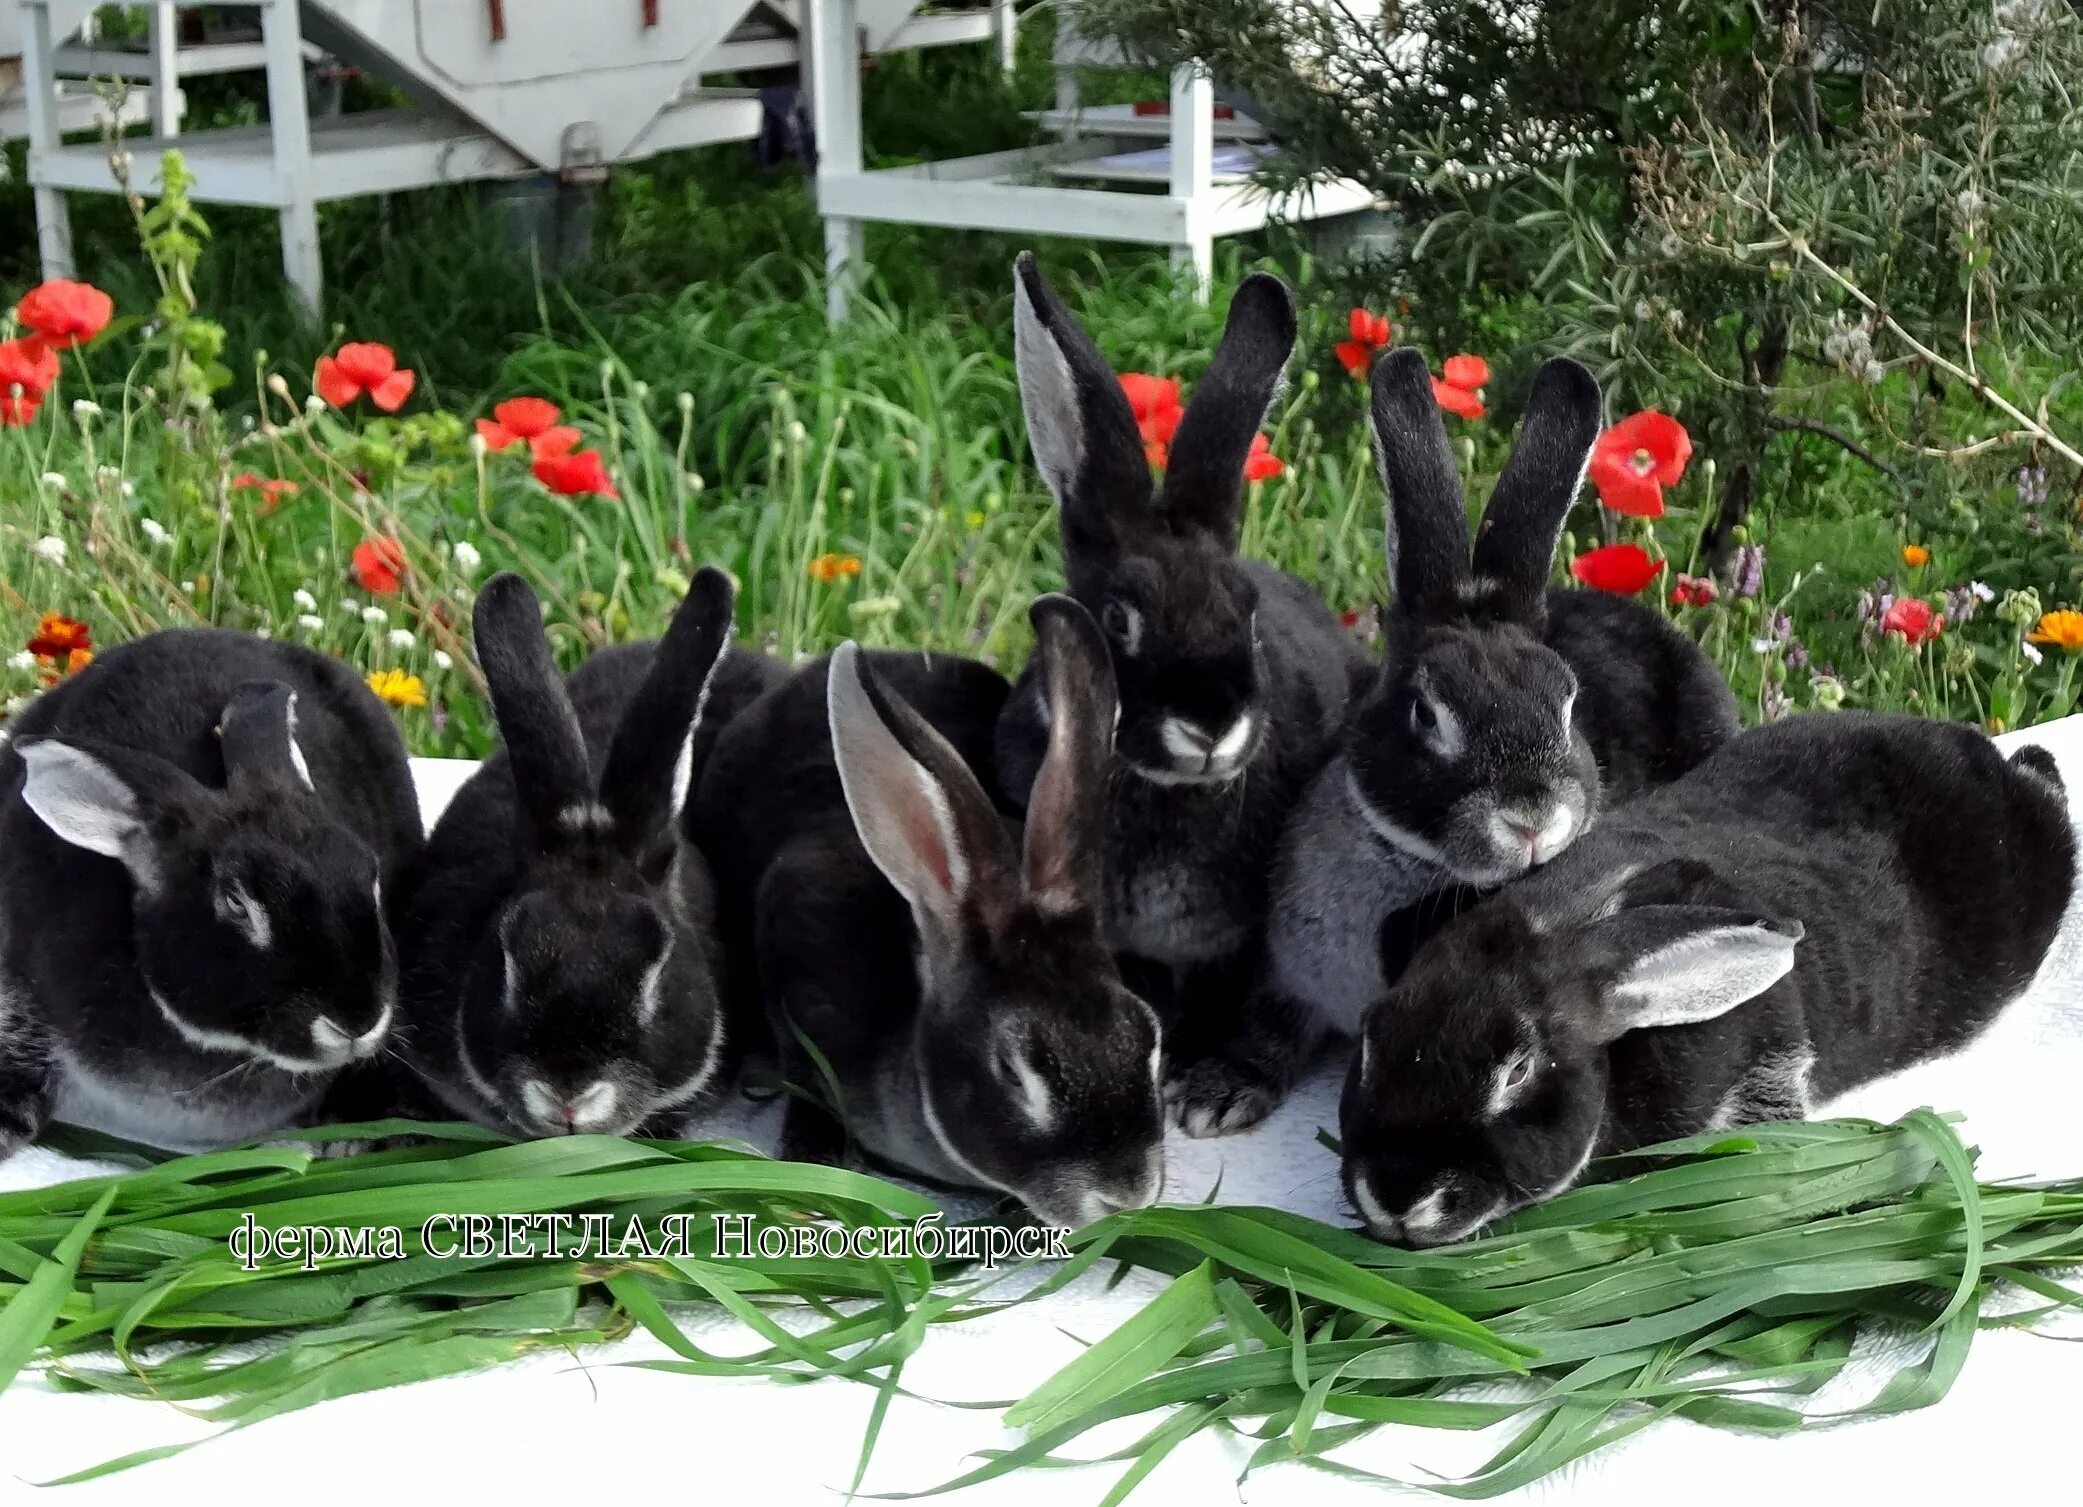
[[1218, 1096]]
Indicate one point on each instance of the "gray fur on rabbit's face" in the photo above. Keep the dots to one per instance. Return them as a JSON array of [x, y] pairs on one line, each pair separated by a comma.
[[193, 838], [1823, 901]]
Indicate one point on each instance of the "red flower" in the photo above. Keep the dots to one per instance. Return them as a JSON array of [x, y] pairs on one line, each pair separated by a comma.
[[272, 489], [530, 419], [57, 636], [1370, 333], [65, 313], [1693, 591], [1155, 403], [1622, 569], [1913, 621], [575, 475], [1261, 464], [1458, 387], [28, 367], [379, 564], [364, 367], [1636, 459]]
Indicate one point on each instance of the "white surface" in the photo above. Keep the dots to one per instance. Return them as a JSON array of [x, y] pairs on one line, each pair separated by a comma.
[[556, 1426]]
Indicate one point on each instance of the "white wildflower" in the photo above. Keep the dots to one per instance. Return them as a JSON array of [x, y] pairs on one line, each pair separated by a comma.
[[1763, 645], [350, 606], [188, 588], [375, 617], [108, 473], [401, 638], [311, 622], [2031, 651], [1873, 373], [478, 446], [85, 408], [314, 404], [304, 599], [155, 533], [21, 661], [1969, 203], [49, 548], [55, 480], [467, 558], [1981, 591], [442, 661], [14, 706]]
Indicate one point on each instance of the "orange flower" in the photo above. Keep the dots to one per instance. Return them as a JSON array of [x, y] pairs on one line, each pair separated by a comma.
[[576, 474], [78, 660], [397, 688], [272, 489], [1636, 459], [58, 634], [364, 367], [829, 568], [1261, 463], [379, 565], [65, 313], [530, 419], [1370, 333], [28, 368], [2061, 628], [1915, 555], [1458, 387]]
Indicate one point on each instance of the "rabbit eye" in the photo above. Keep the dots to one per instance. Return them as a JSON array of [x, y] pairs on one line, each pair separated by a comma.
[[1516, 1074], [237, 908], [1123, 624], [1422, 718]]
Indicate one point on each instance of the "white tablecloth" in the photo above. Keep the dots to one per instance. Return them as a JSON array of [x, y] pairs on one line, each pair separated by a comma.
[[557, 1428]]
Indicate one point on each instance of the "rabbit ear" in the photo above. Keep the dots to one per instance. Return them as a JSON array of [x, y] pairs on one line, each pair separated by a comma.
[[1204, 480], [258, 734], [1680, 964], [1515, 546], [1079, 423], [543, 741], [1066, 810], [919, 810], [106, 798], [1427, 520], [650, 763]]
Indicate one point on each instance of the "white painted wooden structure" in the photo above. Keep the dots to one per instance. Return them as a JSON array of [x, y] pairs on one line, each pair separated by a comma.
[[1095, 178], [76, 105], [504, 89]]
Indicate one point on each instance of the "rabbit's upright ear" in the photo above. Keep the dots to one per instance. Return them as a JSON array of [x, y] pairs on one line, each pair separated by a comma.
[[258, 737], [1066, 813], [1204, 479], [1427, 538], [1079, 423], [919, 810], [650, 763], [108, 799], [1515, 546], [1674, 965], [551, 774]]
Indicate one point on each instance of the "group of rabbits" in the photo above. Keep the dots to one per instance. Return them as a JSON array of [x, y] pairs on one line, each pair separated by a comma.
[[996, 934]]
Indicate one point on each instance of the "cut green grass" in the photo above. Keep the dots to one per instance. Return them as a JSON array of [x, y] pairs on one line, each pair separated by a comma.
[[1719, 1279]]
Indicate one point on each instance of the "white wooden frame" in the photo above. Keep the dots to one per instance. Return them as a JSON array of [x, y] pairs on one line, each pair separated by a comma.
[[998, 191]]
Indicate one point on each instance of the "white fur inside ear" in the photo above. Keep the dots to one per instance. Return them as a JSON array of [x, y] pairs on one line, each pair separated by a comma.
[[1049, 396], [1701, 976], [683, 772], [85, 803], [903, 817], [296, 749]]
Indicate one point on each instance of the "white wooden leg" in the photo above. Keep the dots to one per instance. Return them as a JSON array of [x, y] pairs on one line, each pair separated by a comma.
[[1007, 30], [834, 59], [40, 102], [1193, 171], [164, 38], [290, 126]]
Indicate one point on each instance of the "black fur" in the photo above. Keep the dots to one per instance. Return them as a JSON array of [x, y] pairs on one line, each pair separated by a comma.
[[1199, 639], [195, 724], [953, 999], [560, 860], [1917, 875]]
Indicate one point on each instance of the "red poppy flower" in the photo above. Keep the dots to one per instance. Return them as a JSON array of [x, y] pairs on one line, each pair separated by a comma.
[[1636, 459], [575, 475], [1261, 464], [530, 419], [1912, 621], [1155, 403], [1693, 591], [1370, 333], [364, 367], [272, 489], [1459, 386], [379, 564], [57, 635], [28, 368], [65, 313], [1622, 569]]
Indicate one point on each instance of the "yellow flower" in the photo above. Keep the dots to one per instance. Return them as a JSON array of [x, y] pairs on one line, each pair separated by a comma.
[[1914, 555], [829, 568], [2063, 629], [975, 519], [396, 688]]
